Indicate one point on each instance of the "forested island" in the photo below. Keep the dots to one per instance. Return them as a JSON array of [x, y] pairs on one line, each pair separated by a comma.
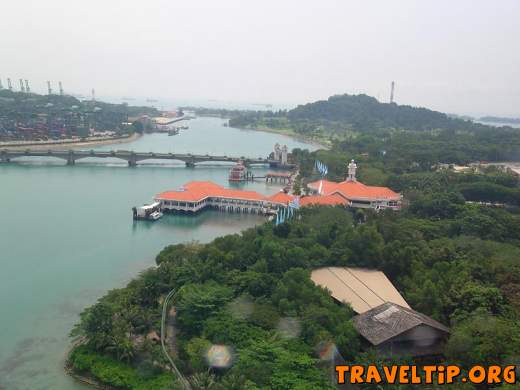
[[345, 118], [450, 253]]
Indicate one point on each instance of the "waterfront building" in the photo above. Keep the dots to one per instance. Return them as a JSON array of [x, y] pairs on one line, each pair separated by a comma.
[[198, 195], [355, 193]]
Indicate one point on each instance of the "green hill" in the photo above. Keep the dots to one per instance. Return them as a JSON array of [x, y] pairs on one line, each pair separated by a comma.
[[363, 112]]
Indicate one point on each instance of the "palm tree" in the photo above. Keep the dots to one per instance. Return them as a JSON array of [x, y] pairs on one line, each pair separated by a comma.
[[203, 381]]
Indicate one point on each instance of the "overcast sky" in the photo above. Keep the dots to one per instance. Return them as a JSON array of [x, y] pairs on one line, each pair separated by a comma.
[[460, 56]]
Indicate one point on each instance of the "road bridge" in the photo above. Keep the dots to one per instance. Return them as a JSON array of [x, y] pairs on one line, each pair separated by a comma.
[[71, 156]]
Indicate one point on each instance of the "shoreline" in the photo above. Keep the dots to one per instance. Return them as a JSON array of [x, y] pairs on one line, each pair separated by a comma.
[[293, 135], [73, 144]]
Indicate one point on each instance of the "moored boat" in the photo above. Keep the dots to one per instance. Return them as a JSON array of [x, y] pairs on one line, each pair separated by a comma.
[[149, 212]]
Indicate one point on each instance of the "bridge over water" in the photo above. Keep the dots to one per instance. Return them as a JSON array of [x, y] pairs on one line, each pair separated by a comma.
[[71, 156]]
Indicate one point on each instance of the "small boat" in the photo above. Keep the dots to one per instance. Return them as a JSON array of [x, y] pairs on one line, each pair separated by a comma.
[[149, 212], [155, 216]]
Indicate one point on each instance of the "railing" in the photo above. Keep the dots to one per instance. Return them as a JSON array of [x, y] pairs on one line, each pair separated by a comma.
[[185, 384]]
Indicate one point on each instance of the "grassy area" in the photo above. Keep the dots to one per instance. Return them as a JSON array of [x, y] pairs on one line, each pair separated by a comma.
[[115, 373]]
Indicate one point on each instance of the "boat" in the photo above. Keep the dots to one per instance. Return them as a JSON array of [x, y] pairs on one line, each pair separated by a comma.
[[149, 212], [155, 216], [238, 172]]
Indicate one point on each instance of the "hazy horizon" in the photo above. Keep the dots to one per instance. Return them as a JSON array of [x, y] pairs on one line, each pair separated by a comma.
[[456, 57]]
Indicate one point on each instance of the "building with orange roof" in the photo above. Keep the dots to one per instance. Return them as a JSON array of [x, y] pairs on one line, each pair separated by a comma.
[[197, 195], [356, 193], [281, 198], [326, 200]]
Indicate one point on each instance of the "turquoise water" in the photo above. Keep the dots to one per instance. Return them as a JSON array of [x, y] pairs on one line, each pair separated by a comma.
[[67, 236]]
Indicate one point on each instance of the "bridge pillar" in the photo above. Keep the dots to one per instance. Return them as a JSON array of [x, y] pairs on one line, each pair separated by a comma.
[[132, 162], [190, 164], [4, 157], [70, 158]]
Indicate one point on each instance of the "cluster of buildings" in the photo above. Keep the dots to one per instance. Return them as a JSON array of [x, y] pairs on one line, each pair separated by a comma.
[[33, 117], [47, 123], [384, 319], [196, 196], [353, 193]]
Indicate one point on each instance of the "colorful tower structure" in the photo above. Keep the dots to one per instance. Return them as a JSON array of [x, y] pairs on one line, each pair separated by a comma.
[[277, 152], [284, 155]]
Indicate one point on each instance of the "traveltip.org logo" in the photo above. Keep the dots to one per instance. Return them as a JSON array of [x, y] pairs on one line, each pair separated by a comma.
[[425, 375]]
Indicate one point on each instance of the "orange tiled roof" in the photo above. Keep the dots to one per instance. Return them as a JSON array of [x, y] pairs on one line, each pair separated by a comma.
[[354, 190], [281, 197], [326, 200], [196, 191]]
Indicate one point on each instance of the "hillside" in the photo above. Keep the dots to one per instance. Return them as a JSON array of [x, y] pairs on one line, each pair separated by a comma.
[[364, 112]]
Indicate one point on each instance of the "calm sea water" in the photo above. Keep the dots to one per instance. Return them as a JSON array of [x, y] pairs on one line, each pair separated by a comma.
[[67, 236]]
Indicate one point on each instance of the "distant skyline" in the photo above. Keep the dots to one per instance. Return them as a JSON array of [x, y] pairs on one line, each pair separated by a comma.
[[452, 56]]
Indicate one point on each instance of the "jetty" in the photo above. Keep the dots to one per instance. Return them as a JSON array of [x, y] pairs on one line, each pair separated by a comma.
[[198, 195]]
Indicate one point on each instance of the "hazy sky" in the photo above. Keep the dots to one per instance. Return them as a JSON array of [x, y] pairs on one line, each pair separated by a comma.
[[459, 56]]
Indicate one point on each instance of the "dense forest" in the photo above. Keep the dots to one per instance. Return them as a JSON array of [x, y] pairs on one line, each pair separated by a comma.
[[451, 255], [454, 261]]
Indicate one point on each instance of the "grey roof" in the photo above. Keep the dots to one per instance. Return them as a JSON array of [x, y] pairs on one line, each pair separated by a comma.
[[389, 320]]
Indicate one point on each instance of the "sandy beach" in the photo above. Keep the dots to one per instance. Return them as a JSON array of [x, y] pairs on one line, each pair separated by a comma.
[[71, 144]]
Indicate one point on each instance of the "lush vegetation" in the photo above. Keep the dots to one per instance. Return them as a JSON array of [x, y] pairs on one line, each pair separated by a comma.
[[425, 136], [454, 260]]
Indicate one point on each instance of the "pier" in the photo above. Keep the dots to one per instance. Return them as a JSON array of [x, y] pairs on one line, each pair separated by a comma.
[[190, 160], [196, 196], [278, 177]]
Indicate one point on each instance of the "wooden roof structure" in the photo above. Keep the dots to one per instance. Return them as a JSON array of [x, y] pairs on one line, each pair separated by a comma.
[[389, 320], [362, 288]]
